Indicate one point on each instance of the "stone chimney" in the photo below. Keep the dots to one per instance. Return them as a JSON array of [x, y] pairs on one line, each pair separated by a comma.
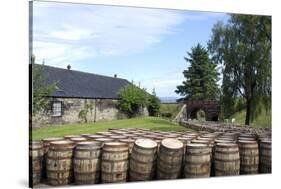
[[115, 75], [68, 67]]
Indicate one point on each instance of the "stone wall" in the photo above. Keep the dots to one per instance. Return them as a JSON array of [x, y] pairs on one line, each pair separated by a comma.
[[101, 110]]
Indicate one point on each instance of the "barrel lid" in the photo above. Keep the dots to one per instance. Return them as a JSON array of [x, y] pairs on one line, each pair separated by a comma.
[[246, 135], [226, 145], [89, 144], [247, 138], [35, 142], [127, 140], [85, 134], [77, 139], [196, 145], [206, 139], [247, 142], [104, 139], [172, 143], [115, 144], [95, 136], [225, 138], [71, 136], [223, 141], [118, 137], [146, 143], [185, 138], [62, 143], [192, 134], [200, 141], [51, 139], [265, 141], [102, 132]]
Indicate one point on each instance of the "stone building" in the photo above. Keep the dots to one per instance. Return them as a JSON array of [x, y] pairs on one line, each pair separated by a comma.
[[77, 89]]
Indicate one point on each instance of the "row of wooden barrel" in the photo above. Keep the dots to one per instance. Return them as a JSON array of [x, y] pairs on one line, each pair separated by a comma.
[[222, 127], [120, 159]]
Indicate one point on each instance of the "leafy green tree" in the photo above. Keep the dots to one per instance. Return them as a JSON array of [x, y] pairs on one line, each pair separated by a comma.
[[40, 89], [132, 98], [153, 104], [242, 47], [201, 76]]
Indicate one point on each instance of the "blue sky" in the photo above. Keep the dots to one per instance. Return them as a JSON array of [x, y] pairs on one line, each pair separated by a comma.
[[139, 44]]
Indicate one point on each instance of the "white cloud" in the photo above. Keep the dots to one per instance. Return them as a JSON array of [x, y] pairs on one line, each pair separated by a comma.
[[60, 54], [165, 85], [105, 30]]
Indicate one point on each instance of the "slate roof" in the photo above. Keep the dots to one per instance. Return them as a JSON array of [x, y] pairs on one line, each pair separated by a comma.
[[77, 84]]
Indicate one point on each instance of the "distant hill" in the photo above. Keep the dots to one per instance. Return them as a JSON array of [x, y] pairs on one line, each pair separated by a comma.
[[168, 99]]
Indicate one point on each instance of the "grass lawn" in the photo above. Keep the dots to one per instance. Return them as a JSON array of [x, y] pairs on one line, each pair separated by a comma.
[[263, 120], [170, 108], [146, 122]]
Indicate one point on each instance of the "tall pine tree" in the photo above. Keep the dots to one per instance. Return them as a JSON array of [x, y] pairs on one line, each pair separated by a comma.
[[201, 76]]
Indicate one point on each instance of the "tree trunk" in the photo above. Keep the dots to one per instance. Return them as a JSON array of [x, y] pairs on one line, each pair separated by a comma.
[[248, 110]]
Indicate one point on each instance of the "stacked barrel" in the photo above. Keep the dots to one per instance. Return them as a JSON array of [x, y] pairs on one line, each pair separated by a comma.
[[114, 163], [197, 161], [143, 160], [36, 153], [169, 161], [87, 163], [133, 154], [59, 162], [249, 154], [227, 161]]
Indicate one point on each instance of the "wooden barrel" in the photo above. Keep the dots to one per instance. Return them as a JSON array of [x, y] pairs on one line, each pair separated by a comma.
[[87, 162], [265, 156], [129, 136], [223, 141], [185, 141], [117, 138], [59, 163], [46, 144], [86, 135], [71, 136], [143, 160], [227, 161], [36, 153], [130, 143], [104, 133], [169, 161], [104, 140], [78, 139], [249, 157], [114, 164], [94, 137], [197, 161]]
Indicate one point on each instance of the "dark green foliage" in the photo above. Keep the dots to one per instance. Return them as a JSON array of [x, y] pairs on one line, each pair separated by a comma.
[[132, 98], [166, 114], [153, 104], [39, 88], [243, 48], [201, 76]]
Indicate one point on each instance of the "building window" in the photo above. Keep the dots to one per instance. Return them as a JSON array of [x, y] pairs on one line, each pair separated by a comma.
[[57, 109]]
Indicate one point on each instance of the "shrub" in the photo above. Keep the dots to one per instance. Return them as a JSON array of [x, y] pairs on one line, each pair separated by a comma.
[[132, 98]]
